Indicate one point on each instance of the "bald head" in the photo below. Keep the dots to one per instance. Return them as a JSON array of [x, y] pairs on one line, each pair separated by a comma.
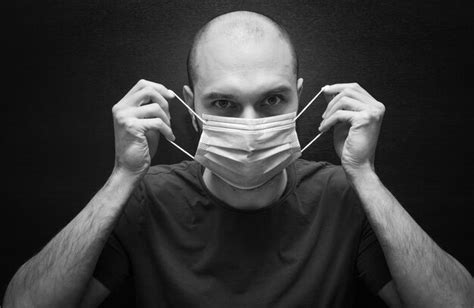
[[241, 32]]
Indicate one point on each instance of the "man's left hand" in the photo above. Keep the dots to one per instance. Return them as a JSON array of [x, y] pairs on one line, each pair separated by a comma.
[[356, 117]]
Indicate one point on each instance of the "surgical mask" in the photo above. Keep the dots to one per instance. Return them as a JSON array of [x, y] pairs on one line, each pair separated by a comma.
[[247, 153]]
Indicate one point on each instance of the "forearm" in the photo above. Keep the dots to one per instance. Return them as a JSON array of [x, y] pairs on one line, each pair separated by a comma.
[[58, 274], [424, 274]]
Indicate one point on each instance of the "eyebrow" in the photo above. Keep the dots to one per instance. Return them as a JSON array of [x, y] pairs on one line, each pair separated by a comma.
[[214, 95]]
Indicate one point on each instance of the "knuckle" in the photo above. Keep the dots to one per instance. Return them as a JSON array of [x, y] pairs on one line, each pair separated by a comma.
[[148, 92], [381, 107], [161, 87], [164, 107], [374, 114], [129, 124], [119, 116], [155, 108], [160, 123], [115, 109], [344, 100], [338, 113], [142, 82], [366, 115]]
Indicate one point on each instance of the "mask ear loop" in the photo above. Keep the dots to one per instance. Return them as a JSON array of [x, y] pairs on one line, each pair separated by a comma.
[[186, 105], [180, 148], [194, 113], [310, 102], [314, 139], [304, 109]]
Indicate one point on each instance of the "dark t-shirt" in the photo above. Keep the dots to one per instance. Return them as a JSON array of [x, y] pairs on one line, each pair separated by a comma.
[[182, 247]]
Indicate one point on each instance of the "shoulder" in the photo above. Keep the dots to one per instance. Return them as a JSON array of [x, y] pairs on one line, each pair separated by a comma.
[[175, 176], [320, 174], [162, 182], [183, 167], [324, 186]]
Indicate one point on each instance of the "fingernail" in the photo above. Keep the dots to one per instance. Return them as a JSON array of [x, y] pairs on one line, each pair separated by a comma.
[[171, 93], [173, 138]]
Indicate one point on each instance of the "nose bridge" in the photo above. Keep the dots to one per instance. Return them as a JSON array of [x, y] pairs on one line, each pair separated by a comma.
[[249, 112]]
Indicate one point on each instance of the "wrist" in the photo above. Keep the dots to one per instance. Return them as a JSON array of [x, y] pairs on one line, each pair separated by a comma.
[[358, 170], [118, 188], [362, 178], [123, 174], [123, 181], [371, 192]]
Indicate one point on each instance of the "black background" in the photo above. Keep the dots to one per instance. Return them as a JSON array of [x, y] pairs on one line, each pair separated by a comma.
[[66, 63]]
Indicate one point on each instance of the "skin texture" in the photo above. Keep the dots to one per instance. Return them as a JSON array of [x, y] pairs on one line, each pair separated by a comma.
[[249, 76]]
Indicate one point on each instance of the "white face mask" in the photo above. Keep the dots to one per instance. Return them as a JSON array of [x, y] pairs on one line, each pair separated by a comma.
[[247, 153]]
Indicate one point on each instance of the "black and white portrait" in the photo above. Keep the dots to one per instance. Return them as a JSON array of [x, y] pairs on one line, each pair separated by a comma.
[[237, 154]]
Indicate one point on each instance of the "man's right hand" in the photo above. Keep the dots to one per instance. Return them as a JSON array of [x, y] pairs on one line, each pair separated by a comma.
[[139, 117]]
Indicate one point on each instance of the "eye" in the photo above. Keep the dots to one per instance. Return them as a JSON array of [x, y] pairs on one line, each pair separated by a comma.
[[223, 104], [272, 100]]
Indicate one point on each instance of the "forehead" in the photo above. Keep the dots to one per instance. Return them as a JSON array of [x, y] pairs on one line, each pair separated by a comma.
[[243, 61]]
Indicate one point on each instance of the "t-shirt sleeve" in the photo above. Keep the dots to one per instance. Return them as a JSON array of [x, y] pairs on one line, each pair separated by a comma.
[[113, 267], [371, 264]]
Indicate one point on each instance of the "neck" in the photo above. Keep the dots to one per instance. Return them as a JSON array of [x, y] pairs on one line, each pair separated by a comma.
[[246, 199]]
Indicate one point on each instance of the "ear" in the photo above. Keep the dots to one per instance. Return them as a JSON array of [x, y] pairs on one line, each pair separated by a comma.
[[189, 99], [299, 87]]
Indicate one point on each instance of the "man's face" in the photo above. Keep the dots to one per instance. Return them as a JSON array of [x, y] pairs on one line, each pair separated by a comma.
[[249, 79]]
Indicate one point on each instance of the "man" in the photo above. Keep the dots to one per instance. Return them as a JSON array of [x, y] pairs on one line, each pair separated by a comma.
[[192, 235]]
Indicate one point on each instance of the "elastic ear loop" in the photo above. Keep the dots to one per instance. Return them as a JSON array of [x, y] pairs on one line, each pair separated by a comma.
[[203, 121], [194, 113], [301, 112]]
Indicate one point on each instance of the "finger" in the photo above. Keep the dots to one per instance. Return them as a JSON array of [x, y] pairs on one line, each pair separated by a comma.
[[344, 103], [329, 97], [339, 87], [150, 111], [159, 125], [144, 96], [163, 103], [338, 116], [142, 83], [347, 92]]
